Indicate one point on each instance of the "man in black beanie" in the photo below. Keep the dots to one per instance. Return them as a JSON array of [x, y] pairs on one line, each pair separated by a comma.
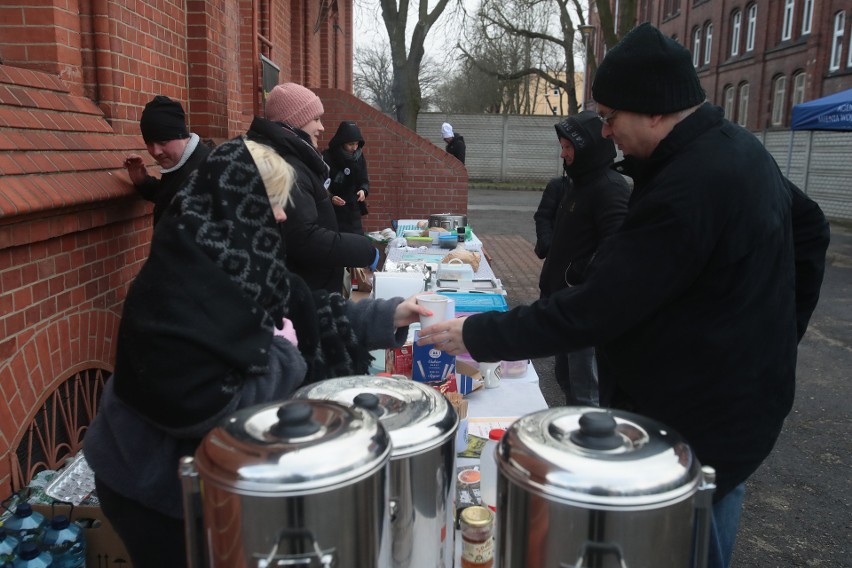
[[697, 303], [177, 152]]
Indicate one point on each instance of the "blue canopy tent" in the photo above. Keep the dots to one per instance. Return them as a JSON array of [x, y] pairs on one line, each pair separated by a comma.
[[833, 112]]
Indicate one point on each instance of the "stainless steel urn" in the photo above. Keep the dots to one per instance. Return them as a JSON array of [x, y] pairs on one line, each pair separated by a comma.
[[582, 488], [422, 426], [295, 483]]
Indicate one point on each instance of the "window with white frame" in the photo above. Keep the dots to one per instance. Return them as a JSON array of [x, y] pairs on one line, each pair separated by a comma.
[[779, 89], [696, 46], [837, 41], [736, 29], [742, 111], [807, 16], [798, 88], [730, 93], [751, 29], [787, 26], [708, 42]]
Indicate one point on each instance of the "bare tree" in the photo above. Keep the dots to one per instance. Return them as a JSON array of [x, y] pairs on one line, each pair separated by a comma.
[[373, 78], [505, 18], [627, 19], [407, 54]]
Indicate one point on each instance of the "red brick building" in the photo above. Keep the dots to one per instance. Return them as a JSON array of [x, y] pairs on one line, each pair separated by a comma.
[[74, 77], [758, 58]]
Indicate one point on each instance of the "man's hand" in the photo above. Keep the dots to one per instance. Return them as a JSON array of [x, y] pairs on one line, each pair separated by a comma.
[[338, 201], [446, 335], [361, 195], [136, 168]]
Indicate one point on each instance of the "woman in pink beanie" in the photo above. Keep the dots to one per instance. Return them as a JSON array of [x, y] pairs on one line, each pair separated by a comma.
[[316, 249]]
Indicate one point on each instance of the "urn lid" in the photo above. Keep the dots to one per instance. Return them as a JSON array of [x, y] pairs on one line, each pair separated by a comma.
[[293, 447], [596, 457]]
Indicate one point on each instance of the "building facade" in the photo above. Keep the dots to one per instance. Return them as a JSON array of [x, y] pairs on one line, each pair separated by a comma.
[[757, 58], [74, 78]]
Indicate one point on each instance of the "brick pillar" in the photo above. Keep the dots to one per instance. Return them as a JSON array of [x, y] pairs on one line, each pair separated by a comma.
[[43, 35]]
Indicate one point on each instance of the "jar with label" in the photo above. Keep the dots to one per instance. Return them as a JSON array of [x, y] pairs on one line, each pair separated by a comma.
[[477, 528]]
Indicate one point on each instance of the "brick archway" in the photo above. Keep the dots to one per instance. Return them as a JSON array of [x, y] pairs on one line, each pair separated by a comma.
[[64, 349]]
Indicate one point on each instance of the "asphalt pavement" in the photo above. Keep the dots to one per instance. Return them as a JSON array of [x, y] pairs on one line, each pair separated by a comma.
[[797, 508]]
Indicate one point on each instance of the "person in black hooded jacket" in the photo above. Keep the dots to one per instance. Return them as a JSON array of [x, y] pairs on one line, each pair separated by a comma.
[[592, 203], [350, 184], [317, 250]]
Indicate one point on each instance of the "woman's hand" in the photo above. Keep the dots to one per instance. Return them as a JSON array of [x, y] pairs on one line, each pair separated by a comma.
[[446, 335], [361, 195], [409, 312]]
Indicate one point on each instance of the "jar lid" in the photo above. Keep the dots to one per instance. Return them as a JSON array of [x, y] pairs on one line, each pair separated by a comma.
[[476, 516], [417, 417], [292, 448], [598, 457]]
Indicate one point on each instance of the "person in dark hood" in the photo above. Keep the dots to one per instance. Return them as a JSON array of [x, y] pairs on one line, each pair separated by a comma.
[[350, 184], [591, 204], [318, 250], [197, 340], [697, 303], [454, 140]]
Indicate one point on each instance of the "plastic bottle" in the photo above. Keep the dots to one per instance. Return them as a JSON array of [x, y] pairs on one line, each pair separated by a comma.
[[488, 469], [25, 524], [29, 556], [7, 547], [66, 542]]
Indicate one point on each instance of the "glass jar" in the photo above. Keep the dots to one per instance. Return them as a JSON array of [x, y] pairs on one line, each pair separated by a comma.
[[477, 528]]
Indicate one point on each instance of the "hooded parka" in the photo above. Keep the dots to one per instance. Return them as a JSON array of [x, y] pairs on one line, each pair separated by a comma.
[[348, 172]]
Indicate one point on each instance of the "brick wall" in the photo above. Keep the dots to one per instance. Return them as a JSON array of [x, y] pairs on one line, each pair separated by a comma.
[[74, 77]]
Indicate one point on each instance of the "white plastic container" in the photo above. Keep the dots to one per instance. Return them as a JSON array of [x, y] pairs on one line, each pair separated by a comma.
[[488, 469]]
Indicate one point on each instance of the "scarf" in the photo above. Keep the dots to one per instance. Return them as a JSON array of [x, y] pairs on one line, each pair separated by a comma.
[[198, 319]]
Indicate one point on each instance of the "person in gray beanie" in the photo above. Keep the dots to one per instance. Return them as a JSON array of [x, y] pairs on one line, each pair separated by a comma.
[[697, 303], [176, 150]]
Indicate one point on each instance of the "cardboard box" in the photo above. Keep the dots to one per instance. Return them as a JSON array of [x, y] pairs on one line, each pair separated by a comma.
[[398, 361], [431, 364], [104, 549]]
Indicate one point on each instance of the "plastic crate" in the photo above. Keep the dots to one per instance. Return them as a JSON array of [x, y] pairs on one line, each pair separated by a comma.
[[476, 302]]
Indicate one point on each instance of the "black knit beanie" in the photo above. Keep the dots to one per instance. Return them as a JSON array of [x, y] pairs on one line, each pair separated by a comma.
[[162, 120], [649, 73]]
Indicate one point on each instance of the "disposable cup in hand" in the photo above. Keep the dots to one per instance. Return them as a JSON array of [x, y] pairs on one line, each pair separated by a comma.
[[437, 304]]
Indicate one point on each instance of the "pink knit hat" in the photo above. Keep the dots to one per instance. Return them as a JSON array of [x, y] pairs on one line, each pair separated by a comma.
[[293, 105]]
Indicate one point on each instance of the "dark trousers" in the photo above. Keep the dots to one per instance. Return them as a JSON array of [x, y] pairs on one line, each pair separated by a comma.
[[152, 539], [577, 376]]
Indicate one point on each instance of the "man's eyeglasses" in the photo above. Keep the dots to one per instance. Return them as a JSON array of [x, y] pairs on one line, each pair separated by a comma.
[[606, 118]]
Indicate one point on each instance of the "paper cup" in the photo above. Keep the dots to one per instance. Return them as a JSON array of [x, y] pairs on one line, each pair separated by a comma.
[[491, 374], [438, 304]]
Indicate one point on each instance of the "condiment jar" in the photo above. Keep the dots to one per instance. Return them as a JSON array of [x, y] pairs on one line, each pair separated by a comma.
[[477, 528]]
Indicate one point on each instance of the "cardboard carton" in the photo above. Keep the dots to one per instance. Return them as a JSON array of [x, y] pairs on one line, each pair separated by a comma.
[[431, 364], [398, 360], [104, 548]]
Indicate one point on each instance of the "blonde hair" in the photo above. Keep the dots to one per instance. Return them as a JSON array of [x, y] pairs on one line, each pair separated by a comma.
[[278, 176]]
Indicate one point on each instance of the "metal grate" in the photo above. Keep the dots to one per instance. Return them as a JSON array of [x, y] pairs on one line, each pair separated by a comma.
[[57, 429]]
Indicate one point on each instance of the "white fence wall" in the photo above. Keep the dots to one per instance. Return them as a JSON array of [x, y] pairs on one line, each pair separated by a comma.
[[525, 150]]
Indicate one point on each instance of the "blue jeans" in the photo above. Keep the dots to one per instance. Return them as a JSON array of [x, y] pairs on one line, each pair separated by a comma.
[[723, 528]]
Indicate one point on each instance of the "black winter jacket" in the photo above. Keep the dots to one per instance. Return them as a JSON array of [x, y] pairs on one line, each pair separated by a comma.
[[161, 191], [545, 214], [316, 250], [694, 304], [457, 148], [592, 208], [348, 175]]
